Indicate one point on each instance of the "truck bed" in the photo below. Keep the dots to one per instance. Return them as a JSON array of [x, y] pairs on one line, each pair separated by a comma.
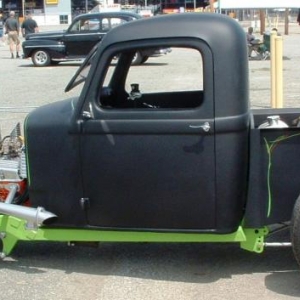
[[274, 175]]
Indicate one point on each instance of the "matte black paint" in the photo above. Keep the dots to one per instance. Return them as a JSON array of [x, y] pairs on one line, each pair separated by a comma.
[[54, 165]]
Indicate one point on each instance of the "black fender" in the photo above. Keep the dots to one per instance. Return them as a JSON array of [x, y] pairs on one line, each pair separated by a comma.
[[56, 49]]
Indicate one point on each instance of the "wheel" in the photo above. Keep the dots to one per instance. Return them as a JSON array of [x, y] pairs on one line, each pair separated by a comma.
[[295, 230], [41, 58], [137, 59]]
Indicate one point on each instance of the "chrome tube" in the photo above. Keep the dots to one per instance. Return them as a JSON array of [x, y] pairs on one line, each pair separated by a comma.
[[35, 217]]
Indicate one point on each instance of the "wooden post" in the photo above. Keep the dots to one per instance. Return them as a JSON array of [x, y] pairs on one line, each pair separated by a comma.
[[212, 5], [262, 21], [286, 22]]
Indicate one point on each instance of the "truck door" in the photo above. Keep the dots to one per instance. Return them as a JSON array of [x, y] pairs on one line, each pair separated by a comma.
[[148, 147]]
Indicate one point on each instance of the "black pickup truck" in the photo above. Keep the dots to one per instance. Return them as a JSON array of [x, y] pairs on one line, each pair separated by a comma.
[[75, 43], [174, 157]]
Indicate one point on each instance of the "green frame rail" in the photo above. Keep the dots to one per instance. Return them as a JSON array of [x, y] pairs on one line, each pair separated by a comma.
[[13, 229]]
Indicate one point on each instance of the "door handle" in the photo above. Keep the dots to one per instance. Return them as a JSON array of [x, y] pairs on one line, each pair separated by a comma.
[[205, 126]]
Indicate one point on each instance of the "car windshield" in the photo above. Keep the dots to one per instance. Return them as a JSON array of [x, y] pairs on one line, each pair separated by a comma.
[[81, 74]]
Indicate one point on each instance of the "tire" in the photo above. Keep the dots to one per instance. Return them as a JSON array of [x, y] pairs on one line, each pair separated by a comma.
[[137, 59], [295, 230], [41, 58]]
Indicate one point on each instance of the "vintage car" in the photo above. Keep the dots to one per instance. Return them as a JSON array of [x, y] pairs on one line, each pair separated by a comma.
[[77, 41]]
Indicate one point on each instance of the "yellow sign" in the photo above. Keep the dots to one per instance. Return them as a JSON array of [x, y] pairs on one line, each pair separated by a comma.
[[51, 2]]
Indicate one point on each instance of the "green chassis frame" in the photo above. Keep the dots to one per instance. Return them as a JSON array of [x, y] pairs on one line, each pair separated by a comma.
[[13, 229]]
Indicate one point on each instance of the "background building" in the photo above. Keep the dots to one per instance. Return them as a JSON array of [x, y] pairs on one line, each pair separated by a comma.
[[56, 12], [47, 12], [50, 12]]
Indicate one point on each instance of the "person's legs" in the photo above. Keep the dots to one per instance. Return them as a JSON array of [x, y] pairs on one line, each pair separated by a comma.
[[18, 49], [249, 50], [14, 44], [11, 44]]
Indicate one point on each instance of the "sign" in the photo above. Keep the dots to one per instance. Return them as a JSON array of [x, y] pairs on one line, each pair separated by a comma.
[[51, 2], [106, 8]]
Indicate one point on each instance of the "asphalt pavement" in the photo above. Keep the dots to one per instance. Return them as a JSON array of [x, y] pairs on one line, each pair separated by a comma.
[[142, 271]]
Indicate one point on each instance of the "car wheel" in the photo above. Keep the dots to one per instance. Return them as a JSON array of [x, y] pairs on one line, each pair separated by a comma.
[[137, 59], [41, 58], [295, 230]]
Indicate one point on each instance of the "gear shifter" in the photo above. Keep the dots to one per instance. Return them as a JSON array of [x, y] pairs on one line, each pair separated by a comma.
[[135, 92]]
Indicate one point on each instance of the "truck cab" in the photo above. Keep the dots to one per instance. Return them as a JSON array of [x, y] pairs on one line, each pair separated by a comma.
[[152, 156]]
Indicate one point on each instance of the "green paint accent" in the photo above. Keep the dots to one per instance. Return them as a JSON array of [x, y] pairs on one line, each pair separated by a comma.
[[15, 230], [268, 177], [255, 239], [271, 145]]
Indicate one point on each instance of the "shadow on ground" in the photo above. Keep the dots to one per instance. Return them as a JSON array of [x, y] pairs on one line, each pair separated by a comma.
[[189, 263]]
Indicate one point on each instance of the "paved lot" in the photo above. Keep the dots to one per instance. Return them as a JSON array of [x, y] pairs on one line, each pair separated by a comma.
[[141, 271]]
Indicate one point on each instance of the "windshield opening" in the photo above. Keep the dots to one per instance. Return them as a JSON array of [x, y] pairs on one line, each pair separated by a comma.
[[82, 73]]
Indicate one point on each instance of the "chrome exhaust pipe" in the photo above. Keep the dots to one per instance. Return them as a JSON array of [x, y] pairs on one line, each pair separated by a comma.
[[35, 217]]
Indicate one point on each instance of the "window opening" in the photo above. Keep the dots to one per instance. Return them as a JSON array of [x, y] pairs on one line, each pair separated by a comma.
[[160, 81]]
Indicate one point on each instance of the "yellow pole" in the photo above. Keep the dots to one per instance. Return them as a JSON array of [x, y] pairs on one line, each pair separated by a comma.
[[273, 69], [279, 78]]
